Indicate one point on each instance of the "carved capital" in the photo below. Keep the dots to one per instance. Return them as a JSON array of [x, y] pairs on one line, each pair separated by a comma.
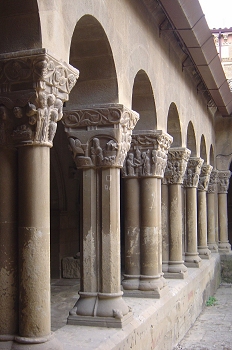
[[100, 136], [204, 177], [213, 181], [148, 154], [193, 172], [33, 87], [223, 181], [176, 166]]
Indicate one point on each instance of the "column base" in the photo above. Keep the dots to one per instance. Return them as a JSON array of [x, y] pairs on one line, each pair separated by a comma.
[[149, 287], [155, 294], [130, 282], [6, 342], [213, 247], [204, 252], [95, 321], [224, 247], [165, 266], [192, 260], [44, 343], [176, 270], [101, 310]]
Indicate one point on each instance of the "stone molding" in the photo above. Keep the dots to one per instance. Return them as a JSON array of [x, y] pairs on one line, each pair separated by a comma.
[[176, 165], [213, 181], [147, 155], [204, 177], [100, 136], [193, 171], [33, 87], [223, 181]]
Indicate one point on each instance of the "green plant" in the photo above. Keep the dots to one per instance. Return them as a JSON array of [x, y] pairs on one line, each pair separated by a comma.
[[211, 301]]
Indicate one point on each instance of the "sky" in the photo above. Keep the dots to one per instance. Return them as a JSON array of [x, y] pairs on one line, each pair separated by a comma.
[[218, 13]]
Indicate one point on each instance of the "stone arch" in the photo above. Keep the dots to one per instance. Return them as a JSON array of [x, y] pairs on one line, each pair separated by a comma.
[[91, 53], [191, 140], [203, 153], [173, 125], [143, 102], [211, 156], [20, 27]]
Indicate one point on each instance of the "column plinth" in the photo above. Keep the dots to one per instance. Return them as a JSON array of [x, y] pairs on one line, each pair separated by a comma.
[[146, 162], [192, 258], [33, 95], [211, 218], [203, 249], [175, 171], [223, 184], [99, 139]]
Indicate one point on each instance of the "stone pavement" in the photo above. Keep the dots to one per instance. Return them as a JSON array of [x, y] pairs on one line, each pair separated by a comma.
[[213, 328]]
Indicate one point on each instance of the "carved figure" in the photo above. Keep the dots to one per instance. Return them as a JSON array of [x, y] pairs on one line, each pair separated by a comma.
[[146, 164], [130, 165], [96, 152], [18, 112]]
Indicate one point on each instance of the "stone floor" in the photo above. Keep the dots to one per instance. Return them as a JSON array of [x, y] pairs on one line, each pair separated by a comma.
[[213, 328]]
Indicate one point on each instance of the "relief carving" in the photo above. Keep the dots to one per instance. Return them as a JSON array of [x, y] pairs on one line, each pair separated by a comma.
[[223, 181], [193, 172], [40, 123], [107, 136], [204, 177], [148, 155], [176, 165], [213, 181]]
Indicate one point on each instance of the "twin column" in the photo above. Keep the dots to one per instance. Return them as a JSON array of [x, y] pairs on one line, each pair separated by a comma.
[[27, 128], [100, 139], [142, 172]]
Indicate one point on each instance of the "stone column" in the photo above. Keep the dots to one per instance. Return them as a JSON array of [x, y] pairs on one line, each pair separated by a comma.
[[8, 234], [99, 139], [131, 228], [203, 250], [223, 184], [175, 171], [147, 160], [165, 224], [211, 219], [45, 83], [192, 258]]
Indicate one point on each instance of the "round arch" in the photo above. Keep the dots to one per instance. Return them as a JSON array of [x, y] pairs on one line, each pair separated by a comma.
[[211, 156], [91, 53], [191, 140], [203, 153], [173, 125], [143, 102]]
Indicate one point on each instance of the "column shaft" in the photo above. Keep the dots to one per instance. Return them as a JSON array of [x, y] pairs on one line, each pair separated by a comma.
[[8, 245], [203, 250], [192, 258], [34, 242], [211, 223], [150, 234], [176, 263], [132, 233], [165, 226], [224, 245]]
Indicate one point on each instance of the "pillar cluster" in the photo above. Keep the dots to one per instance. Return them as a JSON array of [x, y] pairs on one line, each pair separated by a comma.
[[99, 139]]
